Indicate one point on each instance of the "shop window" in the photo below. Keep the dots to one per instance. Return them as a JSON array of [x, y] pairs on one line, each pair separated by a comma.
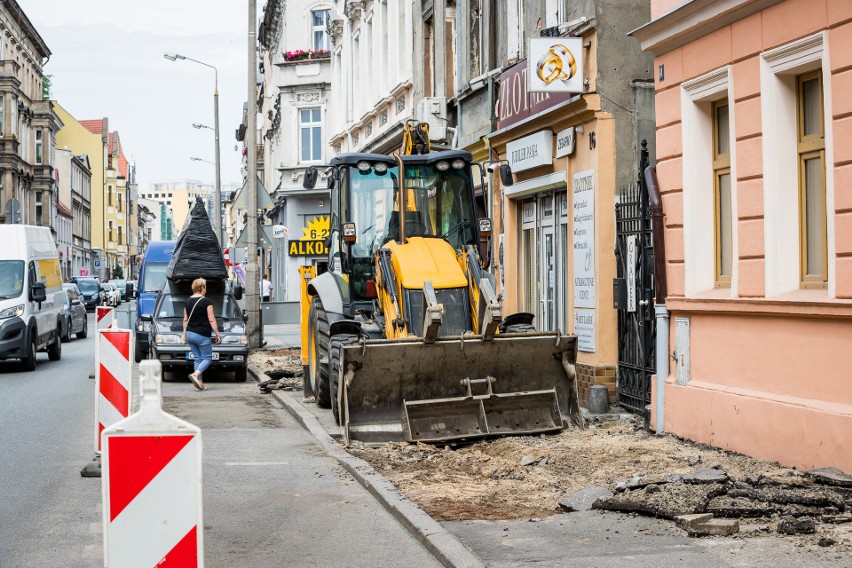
[[811, 150], [722, 193]]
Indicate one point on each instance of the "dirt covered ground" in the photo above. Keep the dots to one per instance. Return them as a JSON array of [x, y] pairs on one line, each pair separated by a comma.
[[527, 477]]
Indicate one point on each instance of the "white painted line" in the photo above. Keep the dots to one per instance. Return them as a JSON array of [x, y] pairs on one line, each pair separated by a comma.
[[255, 463]]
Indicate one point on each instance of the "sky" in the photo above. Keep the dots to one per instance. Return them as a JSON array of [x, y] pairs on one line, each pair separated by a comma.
[[107, 61]]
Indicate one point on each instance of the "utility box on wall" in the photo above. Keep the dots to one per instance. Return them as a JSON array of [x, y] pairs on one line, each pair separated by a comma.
[[682, 350]]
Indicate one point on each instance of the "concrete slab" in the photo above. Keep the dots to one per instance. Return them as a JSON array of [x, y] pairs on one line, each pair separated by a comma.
[[583, 499]]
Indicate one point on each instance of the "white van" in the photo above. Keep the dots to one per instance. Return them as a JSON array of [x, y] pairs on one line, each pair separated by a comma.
[[31, 300]]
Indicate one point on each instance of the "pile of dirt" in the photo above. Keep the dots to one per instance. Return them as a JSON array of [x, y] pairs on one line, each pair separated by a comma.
[[282, 366]]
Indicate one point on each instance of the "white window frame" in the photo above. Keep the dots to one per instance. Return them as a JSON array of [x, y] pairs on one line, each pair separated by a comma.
[[326, 42], [310, 125], [39, 146], [779, 68], [699, 227]]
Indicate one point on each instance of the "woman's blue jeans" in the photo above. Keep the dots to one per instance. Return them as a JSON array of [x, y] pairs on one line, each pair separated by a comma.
[[202, 349]]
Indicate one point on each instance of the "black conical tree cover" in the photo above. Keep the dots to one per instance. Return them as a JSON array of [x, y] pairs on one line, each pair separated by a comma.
[[197, 253]]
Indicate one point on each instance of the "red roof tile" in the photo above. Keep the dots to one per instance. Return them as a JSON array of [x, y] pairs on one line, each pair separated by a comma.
[[94, 126]]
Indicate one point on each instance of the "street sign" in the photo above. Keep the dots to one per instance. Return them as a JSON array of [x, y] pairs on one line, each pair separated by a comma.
[[263, 199], [152, 485], [13, 211], [97, 264], [84, 272]]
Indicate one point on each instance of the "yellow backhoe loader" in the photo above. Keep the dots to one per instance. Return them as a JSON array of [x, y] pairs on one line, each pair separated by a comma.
[[405, 335]]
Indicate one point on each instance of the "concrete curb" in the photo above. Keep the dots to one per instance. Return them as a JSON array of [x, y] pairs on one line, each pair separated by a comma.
[[443, 545]]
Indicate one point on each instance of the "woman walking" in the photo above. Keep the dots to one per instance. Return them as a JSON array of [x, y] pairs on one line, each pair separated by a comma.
[[199, 323]]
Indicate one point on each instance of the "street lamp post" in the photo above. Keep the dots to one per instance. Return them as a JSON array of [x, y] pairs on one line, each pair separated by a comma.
[[217, 221]]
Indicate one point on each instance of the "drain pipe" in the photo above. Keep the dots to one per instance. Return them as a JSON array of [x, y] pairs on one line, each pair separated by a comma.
[[660, 312]]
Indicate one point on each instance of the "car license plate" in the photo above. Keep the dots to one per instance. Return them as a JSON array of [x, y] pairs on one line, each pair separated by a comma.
[[191, 357]]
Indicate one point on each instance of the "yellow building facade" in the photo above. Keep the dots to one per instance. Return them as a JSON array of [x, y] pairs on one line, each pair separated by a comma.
[[77, 137]]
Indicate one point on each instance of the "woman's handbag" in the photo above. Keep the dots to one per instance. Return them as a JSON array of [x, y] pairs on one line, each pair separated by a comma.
[[183, 335]]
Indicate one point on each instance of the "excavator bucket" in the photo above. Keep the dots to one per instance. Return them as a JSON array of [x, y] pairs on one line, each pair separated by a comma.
[[458, 388]]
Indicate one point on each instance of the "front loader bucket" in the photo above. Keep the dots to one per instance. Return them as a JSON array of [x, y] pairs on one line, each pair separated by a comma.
[[458, 388]]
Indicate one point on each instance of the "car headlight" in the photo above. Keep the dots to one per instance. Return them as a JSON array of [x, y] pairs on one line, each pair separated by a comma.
[[14, 311], [234, 339], [167, 339]]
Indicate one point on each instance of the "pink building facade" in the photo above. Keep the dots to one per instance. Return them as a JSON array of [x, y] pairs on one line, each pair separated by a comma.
[[754, 150]]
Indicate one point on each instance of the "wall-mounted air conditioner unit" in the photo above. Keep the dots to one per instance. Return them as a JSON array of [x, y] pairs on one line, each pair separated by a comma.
[[433, 111]]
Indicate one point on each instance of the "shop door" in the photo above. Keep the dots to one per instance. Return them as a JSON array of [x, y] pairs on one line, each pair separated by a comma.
[[547, 316]]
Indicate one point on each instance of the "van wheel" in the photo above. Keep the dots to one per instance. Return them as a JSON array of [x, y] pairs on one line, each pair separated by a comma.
[[54, 350], [28, 363], [139, 354]]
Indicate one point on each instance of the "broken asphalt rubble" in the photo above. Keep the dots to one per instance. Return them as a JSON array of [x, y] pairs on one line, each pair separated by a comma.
[[707, 502]]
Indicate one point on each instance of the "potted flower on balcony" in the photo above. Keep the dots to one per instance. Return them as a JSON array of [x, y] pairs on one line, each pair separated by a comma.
[[306, 55]]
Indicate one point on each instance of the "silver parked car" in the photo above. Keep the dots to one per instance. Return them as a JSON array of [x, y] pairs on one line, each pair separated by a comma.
[[74, 317]]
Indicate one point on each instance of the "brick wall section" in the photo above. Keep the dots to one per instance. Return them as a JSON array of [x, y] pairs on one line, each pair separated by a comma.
[[588, 375]]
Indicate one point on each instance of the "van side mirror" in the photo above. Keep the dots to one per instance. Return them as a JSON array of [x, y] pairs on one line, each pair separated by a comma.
[[238, 292], [310, 179], [245, 316], [38, 293], [128, 290], [506, 175]]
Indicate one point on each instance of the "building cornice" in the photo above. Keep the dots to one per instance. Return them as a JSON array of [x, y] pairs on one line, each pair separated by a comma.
[[692, 20]]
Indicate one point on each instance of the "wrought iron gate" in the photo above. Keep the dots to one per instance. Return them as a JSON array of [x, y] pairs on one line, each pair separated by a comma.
[[634, 293]]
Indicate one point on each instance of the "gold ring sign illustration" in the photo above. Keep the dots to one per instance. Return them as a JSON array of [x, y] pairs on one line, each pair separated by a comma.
[[558, 63]]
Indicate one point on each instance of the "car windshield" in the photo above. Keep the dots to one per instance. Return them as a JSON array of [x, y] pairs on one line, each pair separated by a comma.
[[439, 204], [89, 286], [155, 276], [11, 278], [118, 283], [172, 306]]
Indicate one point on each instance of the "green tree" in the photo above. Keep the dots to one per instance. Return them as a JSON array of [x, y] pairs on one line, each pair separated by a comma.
[[46, 83], [119, 271]]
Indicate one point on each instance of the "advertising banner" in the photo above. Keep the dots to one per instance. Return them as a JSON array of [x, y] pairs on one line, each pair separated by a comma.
[[556, 65]]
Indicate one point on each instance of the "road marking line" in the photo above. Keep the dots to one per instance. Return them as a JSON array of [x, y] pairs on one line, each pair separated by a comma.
[[255, 463]]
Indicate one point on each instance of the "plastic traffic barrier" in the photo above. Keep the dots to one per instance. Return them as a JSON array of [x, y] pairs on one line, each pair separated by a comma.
[[113, 384], [152, 485], [104, 317]]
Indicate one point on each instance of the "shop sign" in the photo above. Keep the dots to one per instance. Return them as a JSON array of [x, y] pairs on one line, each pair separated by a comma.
[[306, 248], [516, 102], [583, 192], [557, 65], [631, 273], [584, 329], [312, 242], [565, 142], [531, 151], [279, 231]]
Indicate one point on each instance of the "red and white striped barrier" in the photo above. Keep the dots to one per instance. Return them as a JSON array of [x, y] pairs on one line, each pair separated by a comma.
[[113, 385], [105, 318], [152, 485]]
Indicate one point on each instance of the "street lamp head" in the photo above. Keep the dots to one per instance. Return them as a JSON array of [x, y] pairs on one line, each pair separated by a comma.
[[173, 56], [199, 126], [194, 159]]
